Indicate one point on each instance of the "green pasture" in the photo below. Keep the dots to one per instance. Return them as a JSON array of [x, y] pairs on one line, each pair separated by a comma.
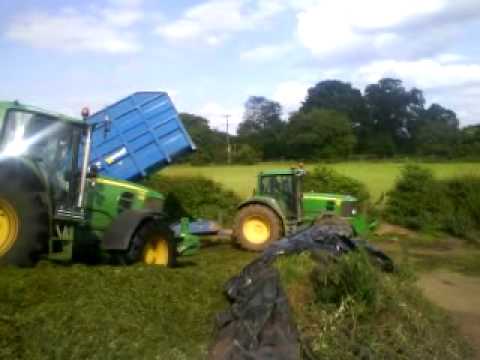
[[378, 176]]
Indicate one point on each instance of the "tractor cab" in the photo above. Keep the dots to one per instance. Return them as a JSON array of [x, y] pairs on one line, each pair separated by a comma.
[[48, 144], [286, 187]]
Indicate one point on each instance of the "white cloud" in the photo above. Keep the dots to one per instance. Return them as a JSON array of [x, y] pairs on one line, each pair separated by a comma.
[[122, 18], [91, 29], [448, 58], [425, 73], [376, 28], [267, 52], [214, 20], [291, 94], [216, 114]]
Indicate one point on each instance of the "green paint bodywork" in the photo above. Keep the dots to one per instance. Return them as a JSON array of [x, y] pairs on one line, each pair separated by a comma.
[[104, 200], [189, 243], [315, 204], [311, 204]]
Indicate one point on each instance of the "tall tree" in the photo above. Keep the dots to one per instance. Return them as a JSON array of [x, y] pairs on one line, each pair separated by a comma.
[[436, 132], [393, 112], [320, 134], [262, 126], [339, 96], [211, 144], [469, 143], [342, 97]]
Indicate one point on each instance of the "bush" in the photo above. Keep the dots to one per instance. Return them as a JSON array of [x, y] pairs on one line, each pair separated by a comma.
[[323, 179], [195, 197], [462, 218], [353, 276], [246, 155], [416, 200], [348, 309], [421, 202]]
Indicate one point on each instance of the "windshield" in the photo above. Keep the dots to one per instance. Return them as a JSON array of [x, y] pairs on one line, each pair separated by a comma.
[[46, 140], [280, 187]]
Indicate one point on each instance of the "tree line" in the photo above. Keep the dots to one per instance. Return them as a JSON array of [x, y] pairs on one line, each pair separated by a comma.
[[338, 121]]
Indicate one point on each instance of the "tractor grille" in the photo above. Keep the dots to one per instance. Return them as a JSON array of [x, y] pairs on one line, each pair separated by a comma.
[[349, 209]]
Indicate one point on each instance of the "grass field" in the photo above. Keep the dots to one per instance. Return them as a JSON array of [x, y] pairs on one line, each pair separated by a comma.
[[378, 176]]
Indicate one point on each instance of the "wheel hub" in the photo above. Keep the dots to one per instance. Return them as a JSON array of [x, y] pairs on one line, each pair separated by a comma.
[[8, 226], [156, 252], [256, 230]]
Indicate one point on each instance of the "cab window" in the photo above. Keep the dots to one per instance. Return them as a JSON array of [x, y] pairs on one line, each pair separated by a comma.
[[45, 140]]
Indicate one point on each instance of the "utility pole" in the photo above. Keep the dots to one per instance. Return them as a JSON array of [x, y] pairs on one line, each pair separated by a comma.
[[229, 149]]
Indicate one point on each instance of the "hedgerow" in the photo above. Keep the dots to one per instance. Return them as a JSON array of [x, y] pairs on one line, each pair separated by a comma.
[[195, 197], [422, 202], [323, 179]]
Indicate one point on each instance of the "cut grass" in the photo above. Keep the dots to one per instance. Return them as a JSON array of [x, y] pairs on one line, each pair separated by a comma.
[[103, 312], [377, 175]]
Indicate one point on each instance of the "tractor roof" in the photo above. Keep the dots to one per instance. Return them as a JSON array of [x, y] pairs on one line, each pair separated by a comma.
[[6, 105]]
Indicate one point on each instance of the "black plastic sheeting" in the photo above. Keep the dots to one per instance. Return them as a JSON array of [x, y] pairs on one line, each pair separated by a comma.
[[259, 324]]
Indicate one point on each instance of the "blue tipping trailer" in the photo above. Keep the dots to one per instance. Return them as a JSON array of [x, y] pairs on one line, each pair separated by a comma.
[[137, 135]]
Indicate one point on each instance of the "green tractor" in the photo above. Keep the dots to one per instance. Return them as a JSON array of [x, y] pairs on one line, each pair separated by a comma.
[[52, 204], [279, 207]]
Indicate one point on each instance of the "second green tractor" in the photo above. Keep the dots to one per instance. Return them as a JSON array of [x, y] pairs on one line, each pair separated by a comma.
[[279, 207]]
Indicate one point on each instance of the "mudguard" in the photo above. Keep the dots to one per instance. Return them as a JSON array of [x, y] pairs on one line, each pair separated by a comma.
[[121, 230]]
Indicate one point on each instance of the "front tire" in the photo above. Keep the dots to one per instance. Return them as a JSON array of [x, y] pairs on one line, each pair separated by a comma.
[[153, 244], [256, 227], [23, 226]]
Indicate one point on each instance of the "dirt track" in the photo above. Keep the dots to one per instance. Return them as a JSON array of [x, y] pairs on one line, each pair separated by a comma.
[[460, 295]]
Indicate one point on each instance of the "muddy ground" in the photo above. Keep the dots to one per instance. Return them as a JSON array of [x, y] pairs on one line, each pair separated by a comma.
[[449, 275], [460, 296]]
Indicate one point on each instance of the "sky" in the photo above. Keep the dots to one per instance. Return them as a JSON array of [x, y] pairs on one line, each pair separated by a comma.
[[210, 55]]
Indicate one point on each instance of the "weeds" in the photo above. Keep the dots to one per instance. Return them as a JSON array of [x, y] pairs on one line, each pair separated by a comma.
[[355, 312]]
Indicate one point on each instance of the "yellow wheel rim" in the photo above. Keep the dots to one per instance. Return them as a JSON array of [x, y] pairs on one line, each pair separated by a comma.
[[156, 252], [8, 226], [256, 230]]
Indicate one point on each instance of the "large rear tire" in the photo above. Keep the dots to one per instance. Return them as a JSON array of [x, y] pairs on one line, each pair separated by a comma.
[[23, 225], [256, 227], [153, 244]]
